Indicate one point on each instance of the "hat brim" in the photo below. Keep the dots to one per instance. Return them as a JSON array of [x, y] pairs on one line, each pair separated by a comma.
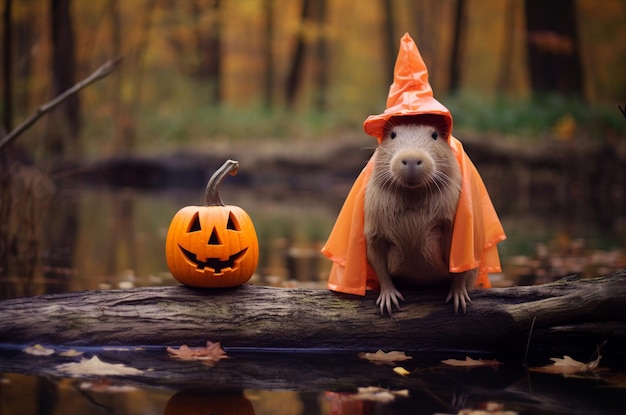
[[428, 111]]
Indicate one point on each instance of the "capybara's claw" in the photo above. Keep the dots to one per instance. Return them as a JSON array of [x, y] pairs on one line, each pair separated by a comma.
[[461, 298], [387, 299]]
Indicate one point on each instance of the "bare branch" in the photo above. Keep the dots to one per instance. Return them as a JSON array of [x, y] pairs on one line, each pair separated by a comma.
[[104, 70]]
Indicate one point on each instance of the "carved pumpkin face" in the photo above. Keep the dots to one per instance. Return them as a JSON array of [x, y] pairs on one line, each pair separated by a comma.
[[212, 246]]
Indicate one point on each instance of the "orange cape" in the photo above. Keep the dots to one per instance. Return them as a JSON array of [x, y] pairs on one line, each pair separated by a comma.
[[476, 232]]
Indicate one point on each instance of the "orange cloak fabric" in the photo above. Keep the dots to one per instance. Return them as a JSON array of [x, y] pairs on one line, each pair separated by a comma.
[[475, 235], [477, 229]]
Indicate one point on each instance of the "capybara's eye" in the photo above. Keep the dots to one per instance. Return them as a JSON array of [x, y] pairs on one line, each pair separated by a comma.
[[434, 135], [392, 135]]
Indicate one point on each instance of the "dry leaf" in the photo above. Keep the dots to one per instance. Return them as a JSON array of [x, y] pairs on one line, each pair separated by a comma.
[[567, 366], [491, 408], [95, 366], [105, 385], [210, 354], [70, 353], [469, 362], [374, 393], [382, 357], [38, 350], [401, 371]]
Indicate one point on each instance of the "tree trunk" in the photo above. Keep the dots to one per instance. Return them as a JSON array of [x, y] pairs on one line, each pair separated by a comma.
[[390, 45], [568, 314], [553, 48], [63, 71], [268, 85], [506, 55], [131, 80], [322, 63], [457, 47], [294, 78], [7, 70]]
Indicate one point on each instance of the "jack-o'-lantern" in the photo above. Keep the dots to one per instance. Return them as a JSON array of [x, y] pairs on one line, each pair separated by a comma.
[[213, 245]]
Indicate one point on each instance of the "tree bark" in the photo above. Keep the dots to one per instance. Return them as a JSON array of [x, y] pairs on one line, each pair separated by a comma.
[[63, 70], [296, 69], [457, 47], [571, 313], [390, 44], [553, 47], [7, 68], [268, 52]]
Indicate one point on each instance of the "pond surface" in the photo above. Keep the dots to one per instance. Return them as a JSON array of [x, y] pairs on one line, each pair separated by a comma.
[[100, 238]]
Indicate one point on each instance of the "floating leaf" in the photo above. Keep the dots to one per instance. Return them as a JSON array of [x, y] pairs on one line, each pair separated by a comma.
[[38, 350], [567, 366], [95, 366], [401, 371], [374, 393], [382, 357], [70, 353], [488, 408], [469, 362], [210, 354], [105, 385]]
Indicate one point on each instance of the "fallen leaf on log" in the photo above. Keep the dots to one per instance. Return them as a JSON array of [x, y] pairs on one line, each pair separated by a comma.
[[469, 362], [386, 358], [95, 366], [567, 366], [210, 354], [38, 350]]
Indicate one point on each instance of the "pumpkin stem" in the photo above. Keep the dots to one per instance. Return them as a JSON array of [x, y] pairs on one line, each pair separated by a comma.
[[212, 192]]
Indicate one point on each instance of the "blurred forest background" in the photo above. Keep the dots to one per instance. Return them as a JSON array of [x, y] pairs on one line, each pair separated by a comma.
[[200, 70], [533, 85]]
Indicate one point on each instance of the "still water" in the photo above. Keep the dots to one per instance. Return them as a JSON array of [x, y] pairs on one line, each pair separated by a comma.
[[97, 238]]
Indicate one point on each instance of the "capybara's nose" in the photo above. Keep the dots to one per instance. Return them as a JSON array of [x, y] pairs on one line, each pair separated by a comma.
[[412, 163]]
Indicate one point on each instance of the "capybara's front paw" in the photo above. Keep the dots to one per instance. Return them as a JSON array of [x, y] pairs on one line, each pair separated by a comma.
[[388, 298], [458, 293]]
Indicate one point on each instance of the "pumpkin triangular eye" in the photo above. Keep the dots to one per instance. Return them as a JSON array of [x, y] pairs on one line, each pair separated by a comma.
[[194, 225], [214, 239], [232, 224]]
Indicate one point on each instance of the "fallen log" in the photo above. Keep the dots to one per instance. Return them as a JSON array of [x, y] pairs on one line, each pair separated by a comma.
[[570, 313]]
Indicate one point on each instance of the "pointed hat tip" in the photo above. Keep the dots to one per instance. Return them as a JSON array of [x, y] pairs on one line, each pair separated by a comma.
[[410, 93]]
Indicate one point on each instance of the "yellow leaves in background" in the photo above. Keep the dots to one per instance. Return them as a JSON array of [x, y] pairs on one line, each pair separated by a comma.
[[565, 127]]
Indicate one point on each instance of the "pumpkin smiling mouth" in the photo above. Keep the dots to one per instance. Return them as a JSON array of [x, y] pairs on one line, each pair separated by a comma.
[[215, 264]]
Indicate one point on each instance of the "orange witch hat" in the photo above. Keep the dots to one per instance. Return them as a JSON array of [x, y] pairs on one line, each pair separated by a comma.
[[477, 229]]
